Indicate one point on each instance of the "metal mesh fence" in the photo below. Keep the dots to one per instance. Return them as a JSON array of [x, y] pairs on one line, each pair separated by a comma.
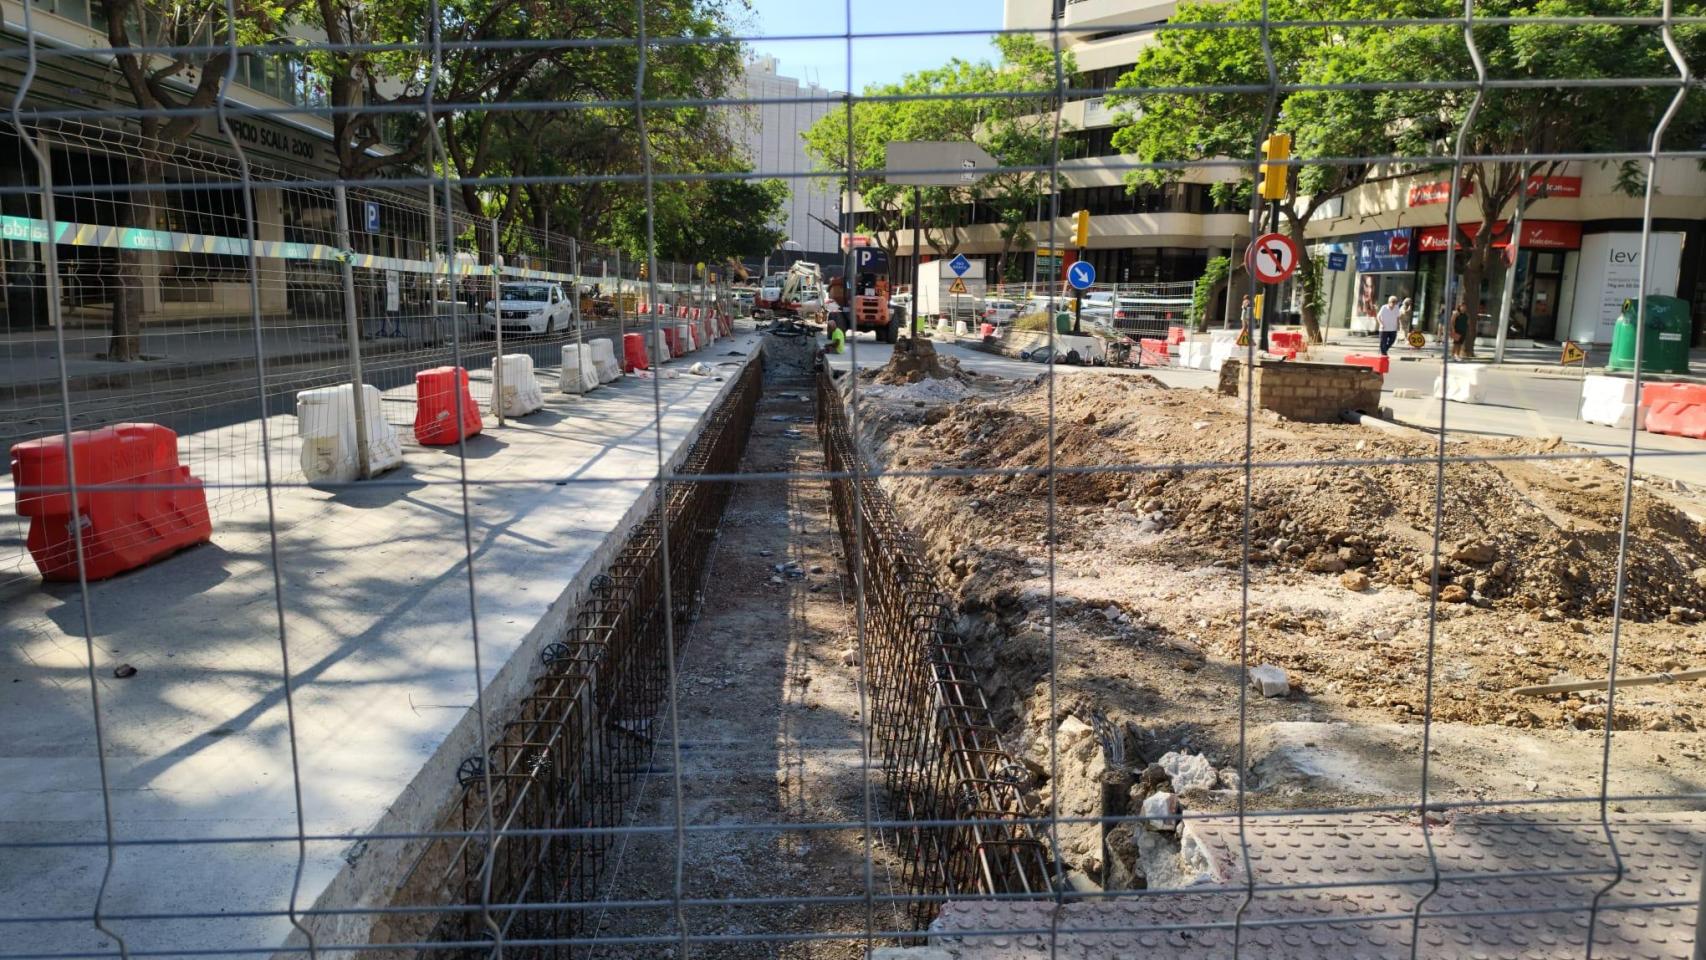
[[502, 700]]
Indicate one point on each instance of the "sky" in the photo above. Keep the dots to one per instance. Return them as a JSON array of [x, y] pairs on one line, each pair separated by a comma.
[[877, 60]]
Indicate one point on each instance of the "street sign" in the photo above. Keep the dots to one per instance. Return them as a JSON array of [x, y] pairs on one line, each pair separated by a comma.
[[372, 217], [1272, 258], [1336, 261], [958, 286], [959, 265], [1573, 353], [1244, 337], [1417, 341], [954, 163], [1081, 275], [870, 260]]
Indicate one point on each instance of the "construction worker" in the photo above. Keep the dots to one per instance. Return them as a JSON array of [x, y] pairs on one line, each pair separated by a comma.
[[837, 339]]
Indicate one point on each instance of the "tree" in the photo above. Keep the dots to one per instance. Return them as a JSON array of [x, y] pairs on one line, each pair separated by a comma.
[[1191, 126], [1552, 115], [995, 105], [168, 82], [706, 220]]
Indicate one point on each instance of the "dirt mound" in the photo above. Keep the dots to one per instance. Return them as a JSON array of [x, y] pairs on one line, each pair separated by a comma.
[[914, 360], [1324, 499]]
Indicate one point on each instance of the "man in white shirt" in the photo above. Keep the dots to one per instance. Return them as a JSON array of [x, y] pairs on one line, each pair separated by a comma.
[[1387, 320]]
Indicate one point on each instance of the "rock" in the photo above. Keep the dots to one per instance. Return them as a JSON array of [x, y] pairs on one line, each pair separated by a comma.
[[1149, 526], [124, 671], [1161, 812], [1324, 563], [1478, 552], [1355, 581], [1422, 588], [1111, 613], [1382, 634], [1188, 771], [1071, 729], [1151, 505], [1270, 680], [1452, 593], [1229, 779]]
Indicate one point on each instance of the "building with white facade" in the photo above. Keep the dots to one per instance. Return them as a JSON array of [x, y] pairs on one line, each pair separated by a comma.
[[771, 134]]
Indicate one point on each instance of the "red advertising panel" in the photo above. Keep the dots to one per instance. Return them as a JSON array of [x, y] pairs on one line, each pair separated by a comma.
[[1536, 235]]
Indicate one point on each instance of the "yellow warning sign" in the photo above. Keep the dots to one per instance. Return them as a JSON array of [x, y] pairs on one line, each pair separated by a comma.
[[1573, 353], [1416, 339], [1244, 337], [959, 285]]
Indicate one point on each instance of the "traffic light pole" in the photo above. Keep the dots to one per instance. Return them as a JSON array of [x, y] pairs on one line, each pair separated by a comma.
[[1267, 297]]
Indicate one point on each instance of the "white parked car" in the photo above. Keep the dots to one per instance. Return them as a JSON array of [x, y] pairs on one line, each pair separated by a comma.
[[1099, 303], [528, 306], [999, 311]]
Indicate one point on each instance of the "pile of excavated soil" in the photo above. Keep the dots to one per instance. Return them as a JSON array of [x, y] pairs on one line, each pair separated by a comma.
[[915, 359], [1538, 534]]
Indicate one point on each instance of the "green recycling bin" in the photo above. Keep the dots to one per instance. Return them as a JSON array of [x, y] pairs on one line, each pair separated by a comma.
[[1664, 343], [1063, 322]]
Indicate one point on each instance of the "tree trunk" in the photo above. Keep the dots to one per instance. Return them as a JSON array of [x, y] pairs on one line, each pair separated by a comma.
[[1473, 269], [1306, 279], [125, 341]]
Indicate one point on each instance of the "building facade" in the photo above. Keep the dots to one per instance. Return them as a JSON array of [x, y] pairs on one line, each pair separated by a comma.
[[772, 136]]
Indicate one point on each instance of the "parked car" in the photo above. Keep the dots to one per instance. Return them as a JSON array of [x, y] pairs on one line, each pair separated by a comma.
[[528, 307], [1099, 303], [999, 311]]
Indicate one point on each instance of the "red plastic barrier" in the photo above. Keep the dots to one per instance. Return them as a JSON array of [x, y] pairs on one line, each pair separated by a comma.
[[1289, 343], [1691, 421], [435, 406], [122, 529], [1379, 364], [645, 308], [1175, 334], [1153, 352], [634, 353], [1653, 394], [986, 330], [1667, 417], [670, 340]]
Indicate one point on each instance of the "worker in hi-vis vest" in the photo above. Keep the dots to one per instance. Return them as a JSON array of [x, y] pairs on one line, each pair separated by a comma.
[[836, 339]]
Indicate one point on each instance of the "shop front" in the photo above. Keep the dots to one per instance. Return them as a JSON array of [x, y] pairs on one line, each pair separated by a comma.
[[1386, 267], [1543, 267]]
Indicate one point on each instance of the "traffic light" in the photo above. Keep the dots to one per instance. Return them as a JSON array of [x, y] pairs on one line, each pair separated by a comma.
[[1271, 174], [1081, 229], [643, 270]]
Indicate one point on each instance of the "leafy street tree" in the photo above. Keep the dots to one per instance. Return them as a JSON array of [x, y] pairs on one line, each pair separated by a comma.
[[1329, 125], [704, 220], [1194, 126], [165, 82], [995, 105], [1555, 114]]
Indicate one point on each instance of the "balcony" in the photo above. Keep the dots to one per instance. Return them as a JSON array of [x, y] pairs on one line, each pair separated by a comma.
[[1114, 14]]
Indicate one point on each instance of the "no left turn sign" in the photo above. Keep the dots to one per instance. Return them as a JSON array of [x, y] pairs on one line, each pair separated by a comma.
[[1272, 258]]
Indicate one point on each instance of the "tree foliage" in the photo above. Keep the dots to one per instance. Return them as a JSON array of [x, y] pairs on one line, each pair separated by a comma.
[[1333, 125], [1006, 107], [705, 220]]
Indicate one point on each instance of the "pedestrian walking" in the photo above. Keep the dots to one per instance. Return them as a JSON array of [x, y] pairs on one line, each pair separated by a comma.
[[1245, 313], [1387, 320]]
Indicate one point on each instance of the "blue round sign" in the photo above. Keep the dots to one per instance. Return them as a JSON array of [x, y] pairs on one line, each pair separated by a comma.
[[1081, 275]]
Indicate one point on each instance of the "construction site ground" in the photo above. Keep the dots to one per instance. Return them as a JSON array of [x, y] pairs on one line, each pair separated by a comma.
[[1112, 625], [770, 736], [383, 658]]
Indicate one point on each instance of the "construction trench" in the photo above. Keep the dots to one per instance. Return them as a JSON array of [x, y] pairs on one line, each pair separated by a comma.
[[833, 666]]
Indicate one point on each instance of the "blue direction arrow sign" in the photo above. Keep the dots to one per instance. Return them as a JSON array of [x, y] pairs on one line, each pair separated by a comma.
[[1081, 275], [959, 265]]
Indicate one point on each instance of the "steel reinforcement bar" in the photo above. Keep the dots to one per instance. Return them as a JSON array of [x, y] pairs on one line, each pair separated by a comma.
[[942, 757], [572, 752]]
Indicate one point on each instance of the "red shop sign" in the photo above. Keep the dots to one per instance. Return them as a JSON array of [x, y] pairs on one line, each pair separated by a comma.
[[1555, 186], [1536, 235], [1423, 194]]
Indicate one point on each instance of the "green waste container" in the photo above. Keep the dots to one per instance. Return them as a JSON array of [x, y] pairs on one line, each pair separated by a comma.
[[1664, 344], [1063, 322]]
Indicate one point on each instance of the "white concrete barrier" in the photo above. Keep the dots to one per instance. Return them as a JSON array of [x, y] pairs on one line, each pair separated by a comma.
[[684, 337], [944, 329], [1611, 401], [1220, 350], [960, 329], [521, 394], [326, 419], [604, 360], [1194, 354], [1460, 383], [660, 346], [578, 374]]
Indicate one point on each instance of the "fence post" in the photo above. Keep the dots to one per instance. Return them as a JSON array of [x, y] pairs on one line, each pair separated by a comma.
[[497, 325], [353, 326], [575, 292]]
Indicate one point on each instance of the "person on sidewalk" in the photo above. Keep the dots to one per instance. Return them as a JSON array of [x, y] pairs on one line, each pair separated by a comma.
[[1245, 313], [1459, 331], [1387, 320]]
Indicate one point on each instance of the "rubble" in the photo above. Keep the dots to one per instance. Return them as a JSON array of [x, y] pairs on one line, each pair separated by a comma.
[[1269, 680], [1188, 771]]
